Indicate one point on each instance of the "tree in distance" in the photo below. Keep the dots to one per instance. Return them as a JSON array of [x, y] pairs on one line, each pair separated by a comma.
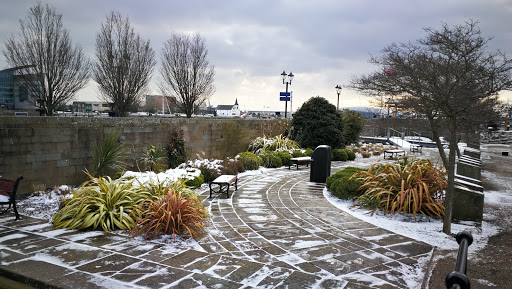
[[186, 72], [444, 76], [52, 69], [124, 64]]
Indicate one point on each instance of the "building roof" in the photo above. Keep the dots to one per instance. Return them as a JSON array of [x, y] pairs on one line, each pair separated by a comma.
[[224, 107]]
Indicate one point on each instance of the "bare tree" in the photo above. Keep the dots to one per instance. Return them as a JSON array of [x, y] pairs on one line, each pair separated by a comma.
[[444, 76], [51, 68], [186, 72], [124, 64]]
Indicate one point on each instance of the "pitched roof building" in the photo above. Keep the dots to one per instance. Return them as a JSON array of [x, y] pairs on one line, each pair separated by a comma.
[[228, 110]]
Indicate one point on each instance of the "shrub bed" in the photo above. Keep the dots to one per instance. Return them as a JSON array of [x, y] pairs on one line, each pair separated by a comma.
[[342, 185]]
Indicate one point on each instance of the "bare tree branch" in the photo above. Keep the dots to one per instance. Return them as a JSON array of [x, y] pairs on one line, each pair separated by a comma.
[[52, 69], [448, 74], [124, 64], [186, 72]]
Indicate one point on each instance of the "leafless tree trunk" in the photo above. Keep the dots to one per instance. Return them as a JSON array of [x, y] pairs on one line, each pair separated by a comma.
[[51, 68], [186, 72], [124, 64]]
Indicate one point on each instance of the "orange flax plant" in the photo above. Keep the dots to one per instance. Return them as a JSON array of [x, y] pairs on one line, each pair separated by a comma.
[[177, 211]]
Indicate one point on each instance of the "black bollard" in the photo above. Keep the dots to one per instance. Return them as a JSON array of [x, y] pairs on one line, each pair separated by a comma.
[[458, 279]]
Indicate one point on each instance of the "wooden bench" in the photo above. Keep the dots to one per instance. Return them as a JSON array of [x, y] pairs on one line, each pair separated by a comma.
[[224, 182], [8, 190], [416, 148], [299, 161], [394, 153]]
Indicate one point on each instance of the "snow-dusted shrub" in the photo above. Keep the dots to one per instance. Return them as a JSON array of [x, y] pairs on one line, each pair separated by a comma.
[[249, 160]]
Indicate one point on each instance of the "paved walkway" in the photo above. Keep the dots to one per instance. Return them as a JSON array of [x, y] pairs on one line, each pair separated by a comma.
[[277, 231]]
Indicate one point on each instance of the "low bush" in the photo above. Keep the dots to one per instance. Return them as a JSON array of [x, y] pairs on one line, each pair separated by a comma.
[[342, 185], [285, 157], [350, 155], [409, 187], [249, 160], [298, 153], [196, 182], [209, 174], [231, 167], [270, 160], [366, 154], [339, 155], [309, 152]]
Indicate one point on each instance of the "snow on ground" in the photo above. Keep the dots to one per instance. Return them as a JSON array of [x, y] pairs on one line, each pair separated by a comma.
[[422, 229], [45, 204]]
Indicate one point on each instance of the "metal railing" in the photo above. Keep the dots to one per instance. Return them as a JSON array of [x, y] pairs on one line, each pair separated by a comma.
[[458, 279]]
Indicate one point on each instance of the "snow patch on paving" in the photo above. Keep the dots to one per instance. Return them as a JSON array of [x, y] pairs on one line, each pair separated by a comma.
[[422, 230]]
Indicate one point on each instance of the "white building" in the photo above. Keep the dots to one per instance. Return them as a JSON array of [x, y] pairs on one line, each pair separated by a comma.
[[228, 110]]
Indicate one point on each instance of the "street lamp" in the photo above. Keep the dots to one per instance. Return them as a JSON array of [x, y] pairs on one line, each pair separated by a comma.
[[288, 80], [338, 90]]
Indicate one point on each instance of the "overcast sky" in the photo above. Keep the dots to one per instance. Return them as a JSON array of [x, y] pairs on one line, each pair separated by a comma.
[[250, 43]]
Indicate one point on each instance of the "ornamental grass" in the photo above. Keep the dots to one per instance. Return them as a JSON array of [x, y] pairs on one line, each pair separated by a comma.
[[416, 187], [176, 212]]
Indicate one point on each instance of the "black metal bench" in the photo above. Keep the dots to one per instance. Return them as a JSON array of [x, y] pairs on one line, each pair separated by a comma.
[[224, 182], [8, 190]]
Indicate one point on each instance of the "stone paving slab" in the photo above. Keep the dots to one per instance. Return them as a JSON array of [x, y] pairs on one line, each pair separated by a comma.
[[276, 231]]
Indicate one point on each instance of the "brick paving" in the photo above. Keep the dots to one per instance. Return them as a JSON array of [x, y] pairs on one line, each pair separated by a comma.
[[277, 231]]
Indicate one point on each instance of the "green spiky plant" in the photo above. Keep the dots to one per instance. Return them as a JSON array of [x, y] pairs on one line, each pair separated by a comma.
[[414, 187], [276, 143], [153, 159], [109, 156], [101, 203]]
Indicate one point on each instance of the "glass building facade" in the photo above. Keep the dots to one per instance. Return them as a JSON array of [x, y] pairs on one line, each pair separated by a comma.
[[14, 92], [7, 88]]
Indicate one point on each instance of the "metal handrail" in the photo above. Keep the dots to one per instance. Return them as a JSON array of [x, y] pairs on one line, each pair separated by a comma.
[[458, 279], [400, 134]]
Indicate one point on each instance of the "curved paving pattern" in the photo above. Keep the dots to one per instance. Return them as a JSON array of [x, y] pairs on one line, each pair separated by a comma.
[[277, 231]]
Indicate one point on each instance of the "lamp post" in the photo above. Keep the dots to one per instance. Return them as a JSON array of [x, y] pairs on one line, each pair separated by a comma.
[[338, 90], [288, 80]]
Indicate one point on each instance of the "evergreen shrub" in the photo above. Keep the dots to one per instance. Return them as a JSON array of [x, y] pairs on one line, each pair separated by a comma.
[[271, 160], [339, 155], [342, 185], [249, 160], [350, 155]]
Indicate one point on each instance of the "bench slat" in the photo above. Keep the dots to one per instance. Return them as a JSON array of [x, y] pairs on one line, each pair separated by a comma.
[[225, 179]]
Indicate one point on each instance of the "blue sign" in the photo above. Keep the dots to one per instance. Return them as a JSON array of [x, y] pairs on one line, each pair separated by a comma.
[[284, 99], [284, 94]]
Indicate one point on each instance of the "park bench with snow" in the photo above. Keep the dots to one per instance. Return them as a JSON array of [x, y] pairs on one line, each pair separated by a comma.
[[394, 153], [224, 182]]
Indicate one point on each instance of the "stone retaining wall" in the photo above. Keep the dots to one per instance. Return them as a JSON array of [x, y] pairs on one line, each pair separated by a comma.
[[55, 150]]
